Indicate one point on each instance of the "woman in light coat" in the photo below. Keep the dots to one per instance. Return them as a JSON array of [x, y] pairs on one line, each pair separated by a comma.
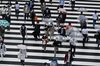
[[22, 55], [2, 50]]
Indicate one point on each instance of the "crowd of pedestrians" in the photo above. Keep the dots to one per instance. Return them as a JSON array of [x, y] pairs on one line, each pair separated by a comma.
[[29, 13]]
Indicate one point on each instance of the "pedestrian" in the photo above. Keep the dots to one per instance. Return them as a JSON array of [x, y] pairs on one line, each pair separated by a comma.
[[95, 18], [42, 2], [17, 9], [31, 4], [45, 64], [72, 4], [23, 31], [2, 32], [9, 20], [72, 42], [61, 2], [68, 58], [36, 32], [56, 44], [97, 36], [82, 20], [26, 11], [47, 13], [32, 16], [22, 55], [4, 12], [50, 1], [85, 36], [44, 41], [51, 31], [2, 50], [54, 62], [62, 31]]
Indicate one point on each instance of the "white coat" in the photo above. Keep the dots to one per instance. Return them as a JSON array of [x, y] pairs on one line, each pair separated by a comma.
[[22, 54]]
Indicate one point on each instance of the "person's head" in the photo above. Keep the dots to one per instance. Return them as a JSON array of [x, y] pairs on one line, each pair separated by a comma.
[[95, 11], [16, 2], [45, 64], [4, 6], [81, 12], [23, 24], [69, 23]]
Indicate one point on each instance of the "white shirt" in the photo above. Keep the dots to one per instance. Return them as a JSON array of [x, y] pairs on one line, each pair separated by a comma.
[[17, 6], [84, 31], [95, 16]]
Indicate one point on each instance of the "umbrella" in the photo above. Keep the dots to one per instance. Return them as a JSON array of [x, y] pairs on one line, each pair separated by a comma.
[[82, 9], [22, 46], [48, 21], [62, 10], [73, 29], [59, 38], [74, 32], [76, 35], [4, 23]]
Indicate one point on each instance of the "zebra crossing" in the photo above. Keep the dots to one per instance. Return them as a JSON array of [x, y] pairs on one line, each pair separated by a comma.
[[87, 56]]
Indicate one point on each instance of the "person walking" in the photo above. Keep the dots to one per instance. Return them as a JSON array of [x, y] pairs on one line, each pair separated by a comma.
[[23, 31], [47, 13], [95, 18], [97, 36], [82, 20], [44, 41], [85, 36], [32, 16], [72, 42], [4, 12], [26, 11], [62, 31], [17, 9], [72, 4], [68, 58], [22, 54], [61, 2], [36, 32], [2, 50]]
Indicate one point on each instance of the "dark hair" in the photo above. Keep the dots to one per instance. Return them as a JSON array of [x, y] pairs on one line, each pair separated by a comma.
[[16, 2], [45, 63], [95, 11]]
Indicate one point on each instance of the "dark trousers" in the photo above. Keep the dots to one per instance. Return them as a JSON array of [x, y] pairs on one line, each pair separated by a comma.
[[73, 49], [22, 62], [85, 39], [17, 13], [26, 16], [72, 5], [23, 38]]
